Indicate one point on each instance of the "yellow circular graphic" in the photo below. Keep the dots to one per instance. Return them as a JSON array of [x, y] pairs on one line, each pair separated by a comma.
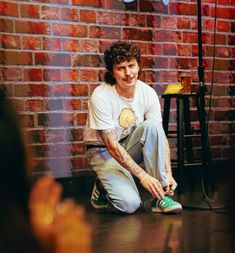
[[127, 117]]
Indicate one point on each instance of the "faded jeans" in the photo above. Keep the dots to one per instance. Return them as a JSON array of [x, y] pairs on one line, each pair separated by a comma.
[[145, 144]]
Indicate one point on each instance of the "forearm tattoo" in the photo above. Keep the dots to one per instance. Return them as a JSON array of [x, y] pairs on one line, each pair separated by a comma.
[[109, 138]]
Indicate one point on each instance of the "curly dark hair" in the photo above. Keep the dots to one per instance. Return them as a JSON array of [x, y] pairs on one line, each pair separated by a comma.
[[119, 52]]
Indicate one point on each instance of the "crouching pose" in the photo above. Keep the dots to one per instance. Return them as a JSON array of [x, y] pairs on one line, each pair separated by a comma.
[[124, 129]]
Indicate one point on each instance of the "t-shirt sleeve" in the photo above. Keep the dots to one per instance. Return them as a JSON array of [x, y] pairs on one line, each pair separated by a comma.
[[153, 107], [100, 114]]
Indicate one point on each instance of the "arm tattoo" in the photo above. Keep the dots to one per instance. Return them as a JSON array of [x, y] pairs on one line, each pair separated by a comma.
[[109, 138]]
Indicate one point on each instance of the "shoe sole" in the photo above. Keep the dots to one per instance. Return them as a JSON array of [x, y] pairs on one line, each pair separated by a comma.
[[175, 209], [99, 206]]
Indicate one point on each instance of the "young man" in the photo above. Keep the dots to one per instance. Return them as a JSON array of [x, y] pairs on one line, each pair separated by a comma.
[[124, 129]]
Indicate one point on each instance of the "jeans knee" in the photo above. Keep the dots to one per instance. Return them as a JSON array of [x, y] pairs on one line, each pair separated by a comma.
[[128, 206], [152, 128]]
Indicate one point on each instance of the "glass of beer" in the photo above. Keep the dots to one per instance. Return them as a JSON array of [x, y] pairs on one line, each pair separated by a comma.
[[185, 80]]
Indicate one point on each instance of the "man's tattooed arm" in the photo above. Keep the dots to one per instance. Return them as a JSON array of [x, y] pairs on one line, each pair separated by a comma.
[[119, 153]]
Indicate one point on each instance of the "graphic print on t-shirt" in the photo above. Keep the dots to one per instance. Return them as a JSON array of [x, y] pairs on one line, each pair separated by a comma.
[[127, 120]]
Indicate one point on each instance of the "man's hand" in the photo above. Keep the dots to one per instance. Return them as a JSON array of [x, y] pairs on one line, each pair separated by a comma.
[[172, 185], [153, 186]]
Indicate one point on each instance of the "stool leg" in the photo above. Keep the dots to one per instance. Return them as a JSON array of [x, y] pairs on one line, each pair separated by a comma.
[[180, 143], [188, 130], [166, 113]]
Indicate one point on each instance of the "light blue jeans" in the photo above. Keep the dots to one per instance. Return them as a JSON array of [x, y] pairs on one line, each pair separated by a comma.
[[145, 144]]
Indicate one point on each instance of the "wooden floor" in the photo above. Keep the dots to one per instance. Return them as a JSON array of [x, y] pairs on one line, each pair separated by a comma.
[[193, 231]]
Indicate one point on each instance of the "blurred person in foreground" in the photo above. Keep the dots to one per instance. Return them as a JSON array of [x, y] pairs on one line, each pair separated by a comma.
[[33, 220], [124, 129]]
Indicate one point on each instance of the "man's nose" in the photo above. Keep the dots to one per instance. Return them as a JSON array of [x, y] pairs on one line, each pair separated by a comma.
[[128, 72]]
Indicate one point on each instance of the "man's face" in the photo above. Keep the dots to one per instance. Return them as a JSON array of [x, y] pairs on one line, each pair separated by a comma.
[[126, 73]]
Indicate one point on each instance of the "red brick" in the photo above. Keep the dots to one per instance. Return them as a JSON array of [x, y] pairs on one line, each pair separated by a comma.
[[104, 17], [183, 23], [8, 9], [104, 32], [27, 120], [89, 45], [77, 164], [69, 14], [153, 21], [209, 25], [70, 90], [87, 61], [55, 104], [70, 75], [55, 119], [92, 3], [72, 104], [32, 74], [223, 26], [84, 104], [11, 74], [183, 9], [29, 11], [169, 49], [184, 50], [36, 136], [137, 20], [17, 58], [50, 59], [69, 30], [190, 37], [87, 75], [169, 22], [52, 44], [31, 42], [54, 1], [6, 25], [226, 12], [76, 134], [223, 65], [158, 62], [220, 39], [51, 75], [137, 34], [166, 36], [32, 27], [70, 45], [35, 105], [78, 148], [157, 7], [18, 104], [223, 52], [49, 12], [155, 49], [88, 16], [168, 76], [9, 41], [120, 18], [81, 119], [31, 90]]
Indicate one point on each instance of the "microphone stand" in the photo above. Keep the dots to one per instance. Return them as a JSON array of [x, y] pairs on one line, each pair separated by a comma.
[[207, 168]]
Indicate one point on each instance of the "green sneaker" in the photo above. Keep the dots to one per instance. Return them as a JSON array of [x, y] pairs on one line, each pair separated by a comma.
[[98, 199], [166, 205]]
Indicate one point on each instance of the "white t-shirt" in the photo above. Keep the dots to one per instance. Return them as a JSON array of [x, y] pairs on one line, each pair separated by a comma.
[[107, 109]]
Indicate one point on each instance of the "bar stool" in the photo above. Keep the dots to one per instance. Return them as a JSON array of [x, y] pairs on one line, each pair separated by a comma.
[[183, 133]]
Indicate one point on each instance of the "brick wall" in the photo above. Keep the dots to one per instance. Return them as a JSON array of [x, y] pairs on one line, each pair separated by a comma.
[[51, 60]]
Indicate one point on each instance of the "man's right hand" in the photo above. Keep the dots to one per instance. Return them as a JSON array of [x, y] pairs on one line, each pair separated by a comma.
[[153, 186]]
